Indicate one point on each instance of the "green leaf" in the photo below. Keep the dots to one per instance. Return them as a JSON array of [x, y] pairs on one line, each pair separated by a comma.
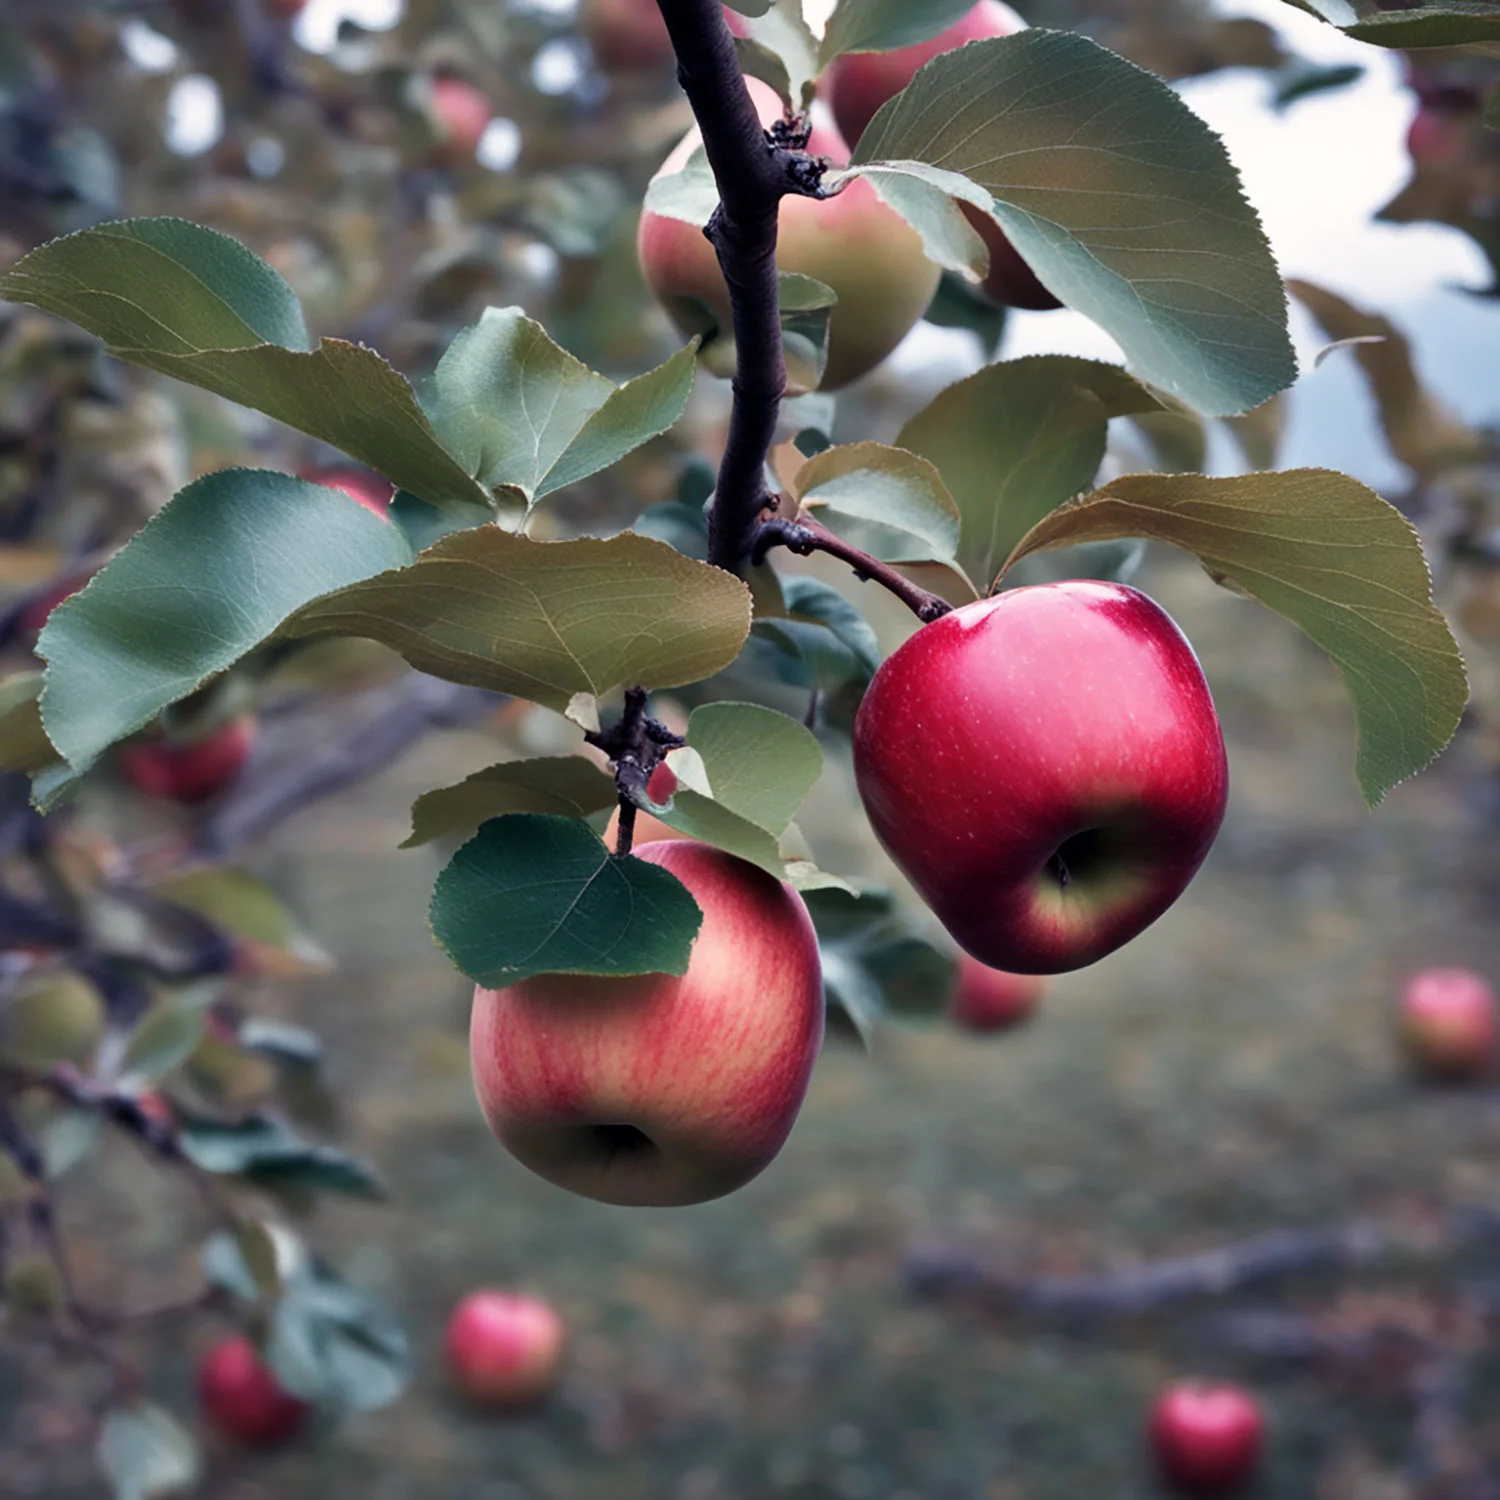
[[244, 906], [1017, 439], [145, 1453], [823, 636], [333, 1346], [924, 196], [209, 578], [530, 894], [1118, 196], [68, 1137], [546, 620], [193, 303], [885, 25], [291, 1046], [806, 307], [254, 1260], [265, 1152], [890, 503], [565, 786], [165, 1038], [523, 415], [1452, 23], [782, 52], [757, 763], [1331, 556]]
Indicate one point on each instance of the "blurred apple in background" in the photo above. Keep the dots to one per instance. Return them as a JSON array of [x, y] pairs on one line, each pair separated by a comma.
[[627, 36], [462, 113], [240, 1397], [655, 1090], [1449, 1023], [190, 770], [1047, 768], [1207, 1437], [992, 1000], [503, 1350], [373, 492]]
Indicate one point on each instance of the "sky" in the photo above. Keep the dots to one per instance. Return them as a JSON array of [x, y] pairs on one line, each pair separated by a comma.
[[1317, 174]]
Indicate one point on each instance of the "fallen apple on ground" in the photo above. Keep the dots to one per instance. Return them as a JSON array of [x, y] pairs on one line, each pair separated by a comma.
[[503, 1349], [1450, 1023], [1207, 1437]]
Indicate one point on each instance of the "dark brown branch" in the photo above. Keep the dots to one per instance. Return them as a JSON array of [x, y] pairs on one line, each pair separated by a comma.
[[806, 537], [753, 176], [635, 745]]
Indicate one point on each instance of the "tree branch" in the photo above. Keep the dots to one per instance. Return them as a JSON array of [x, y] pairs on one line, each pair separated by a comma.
[[753, 175], [806, 537]]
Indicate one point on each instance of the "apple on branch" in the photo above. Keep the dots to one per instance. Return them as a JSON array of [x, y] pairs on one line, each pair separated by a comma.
[[853, 243], [240, 1397], [1047, 768], [462, 113], [1207, 1437], [503, 1349], [859, 83], [191, 770], [987, 999], [656, 1090]]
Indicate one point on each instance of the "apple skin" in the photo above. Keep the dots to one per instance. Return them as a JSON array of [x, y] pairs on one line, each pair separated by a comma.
[[1207, 1437], [854, 243], [627, 36], [464, 113], [859, 83], [654, 1090], [1450, 1023], [503, 1349], [1047, 768], [240, 1397], [193, 771], [990, 999], [374, 493]]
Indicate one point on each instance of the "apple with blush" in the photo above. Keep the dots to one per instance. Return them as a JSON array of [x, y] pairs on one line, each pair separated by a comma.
[[1047, 768], [503, 1349], [989, 999], [859, 83], [191, 771], [370, 490], [1449, 1023], [861, 248], [655, 1090], [462, 113], [240, 1397], [1207, 1436]]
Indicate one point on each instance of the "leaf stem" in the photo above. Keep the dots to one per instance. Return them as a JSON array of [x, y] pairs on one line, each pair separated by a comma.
[[806, 537]]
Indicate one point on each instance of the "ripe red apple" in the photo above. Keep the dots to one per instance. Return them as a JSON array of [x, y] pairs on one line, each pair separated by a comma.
[[990, 999], [1047, 768], [191, 771], [503, 1350], [241, 1398], [1450, 1022], [860, 82], [655, 1090], [627, 36], [373, 492], [854, 243], [1207, 1437], [463, 113]]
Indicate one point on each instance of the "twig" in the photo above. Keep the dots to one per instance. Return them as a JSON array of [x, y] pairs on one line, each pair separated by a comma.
[[1141, 1289], [635, 746], [753, 174], [806, 537]]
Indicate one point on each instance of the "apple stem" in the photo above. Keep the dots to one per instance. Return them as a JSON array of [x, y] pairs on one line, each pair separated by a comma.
[[754, 171], [635, 744], [806, 537]]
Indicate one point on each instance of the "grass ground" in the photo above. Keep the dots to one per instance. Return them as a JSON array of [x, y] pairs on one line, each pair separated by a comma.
[[1228, 1074]]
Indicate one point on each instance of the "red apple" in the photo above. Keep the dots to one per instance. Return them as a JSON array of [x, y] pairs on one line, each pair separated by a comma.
[[463, 114], [1047, 768], [373, 492], [860, 82], [1207, 1438], [241, 1398], [656, 1090], [1450, 1023], [627, 36], [990, 999], [191, 771], [854, 243], [503, 1350]]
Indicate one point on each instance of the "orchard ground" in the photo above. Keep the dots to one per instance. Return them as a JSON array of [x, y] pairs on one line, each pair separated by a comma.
[[1230, 1073]]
